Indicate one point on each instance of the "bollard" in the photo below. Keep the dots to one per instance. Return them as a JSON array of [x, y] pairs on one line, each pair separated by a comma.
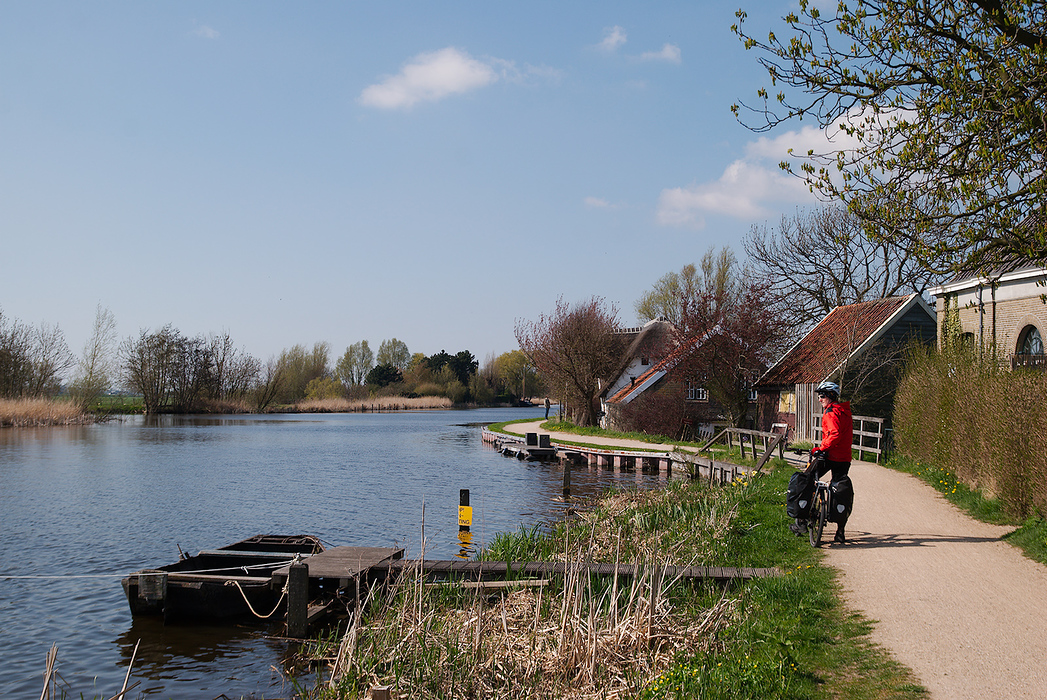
[[465, 511], [297, 600]]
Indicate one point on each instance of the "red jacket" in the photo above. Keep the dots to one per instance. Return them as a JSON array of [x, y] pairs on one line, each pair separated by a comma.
[[837, 432]]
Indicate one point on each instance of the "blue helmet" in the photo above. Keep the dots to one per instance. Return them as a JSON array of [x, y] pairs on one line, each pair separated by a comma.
[[829, 389]]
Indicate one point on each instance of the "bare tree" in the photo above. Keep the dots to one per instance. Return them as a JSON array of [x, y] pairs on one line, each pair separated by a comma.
[[147, 363], [817, 261], [32, 360], [95, 370], [16, 357], [51, 359], [269, 383], [574, 348], [716, 273], [731, 338]]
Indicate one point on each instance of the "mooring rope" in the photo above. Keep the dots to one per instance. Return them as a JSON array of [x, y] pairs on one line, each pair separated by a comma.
[[59, 576], [251, 607]]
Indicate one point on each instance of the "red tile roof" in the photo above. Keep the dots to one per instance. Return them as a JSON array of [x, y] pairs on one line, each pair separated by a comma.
[[830, 342]]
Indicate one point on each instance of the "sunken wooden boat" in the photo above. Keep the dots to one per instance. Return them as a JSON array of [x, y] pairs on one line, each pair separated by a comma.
[[219, 584]]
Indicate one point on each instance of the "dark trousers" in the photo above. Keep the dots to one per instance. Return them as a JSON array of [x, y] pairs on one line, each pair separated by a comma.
[[838, 469]]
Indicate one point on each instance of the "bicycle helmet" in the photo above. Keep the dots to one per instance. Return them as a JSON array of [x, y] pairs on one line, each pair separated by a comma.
[[828, 389]]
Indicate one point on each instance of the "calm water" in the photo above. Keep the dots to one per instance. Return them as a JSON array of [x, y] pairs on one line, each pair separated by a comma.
[[101, 501]]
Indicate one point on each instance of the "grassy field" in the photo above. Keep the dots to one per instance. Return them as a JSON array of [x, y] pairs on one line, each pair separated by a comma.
[[583, 636]]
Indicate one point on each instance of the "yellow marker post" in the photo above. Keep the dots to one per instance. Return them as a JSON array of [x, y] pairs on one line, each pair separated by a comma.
[[465, 517], [465, 511]]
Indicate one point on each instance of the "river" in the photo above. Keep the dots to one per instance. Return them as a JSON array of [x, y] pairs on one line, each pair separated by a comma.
[[82, 506]]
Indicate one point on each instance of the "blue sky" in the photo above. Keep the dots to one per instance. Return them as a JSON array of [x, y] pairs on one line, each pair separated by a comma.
[[293, 172]]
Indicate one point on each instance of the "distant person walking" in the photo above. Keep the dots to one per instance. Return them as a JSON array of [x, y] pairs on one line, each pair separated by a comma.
[[547, 404]]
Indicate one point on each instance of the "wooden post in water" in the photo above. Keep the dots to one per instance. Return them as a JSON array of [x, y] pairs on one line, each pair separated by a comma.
[[297, 600], [566, 478]]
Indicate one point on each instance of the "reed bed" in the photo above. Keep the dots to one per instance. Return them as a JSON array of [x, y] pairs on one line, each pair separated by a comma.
[[40, 412], [577, 636], [378, 403]]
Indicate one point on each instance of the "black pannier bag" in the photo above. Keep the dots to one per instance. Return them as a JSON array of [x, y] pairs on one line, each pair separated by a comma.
[[843, 499], [798, 497]]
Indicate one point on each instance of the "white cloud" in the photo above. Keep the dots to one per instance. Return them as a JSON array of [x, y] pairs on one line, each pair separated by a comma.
[[429, 77], [205, 32], [613, 38], [752, 187], [597, 203], [669, 52]]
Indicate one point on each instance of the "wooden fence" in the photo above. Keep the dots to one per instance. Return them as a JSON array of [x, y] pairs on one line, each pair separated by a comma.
[[868, 434]]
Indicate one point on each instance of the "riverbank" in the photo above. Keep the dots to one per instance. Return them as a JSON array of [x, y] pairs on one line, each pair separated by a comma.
[[586, 637]]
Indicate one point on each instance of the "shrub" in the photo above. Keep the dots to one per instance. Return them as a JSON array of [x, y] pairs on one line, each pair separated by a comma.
[[961, 412]]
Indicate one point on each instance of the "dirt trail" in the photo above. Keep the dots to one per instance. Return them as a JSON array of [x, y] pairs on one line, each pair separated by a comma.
[[963, 609]]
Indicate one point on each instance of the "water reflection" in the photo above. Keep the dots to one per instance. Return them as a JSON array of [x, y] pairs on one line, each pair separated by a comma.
[[112, 498], [466, 550]]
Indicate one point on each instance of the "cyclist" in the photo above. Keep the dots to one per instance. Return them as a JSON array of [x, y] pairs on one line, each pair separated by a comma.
[[835, 449]]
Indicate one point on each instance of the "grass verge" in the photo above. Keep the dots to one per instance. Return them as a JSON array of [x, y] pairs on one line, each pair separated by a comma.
[[580, 636], [1030, 535]]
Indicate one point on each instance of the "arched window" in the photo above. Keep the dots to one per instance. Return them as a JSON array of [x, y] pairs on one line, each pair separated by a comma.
[[1030, 342]]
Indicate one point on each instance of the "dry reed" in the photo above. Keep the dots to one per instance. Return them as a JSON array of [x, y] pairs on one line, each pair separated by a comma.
[[378, 403], [40, 412]]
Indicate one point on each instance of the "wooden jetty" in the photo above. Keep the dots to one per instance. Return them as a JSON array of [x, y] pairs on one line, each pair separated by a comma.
[[697, 464]]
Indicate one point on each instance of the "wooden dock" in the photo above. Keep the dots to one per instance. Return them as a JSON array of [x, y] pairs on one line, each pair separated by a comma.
[[694, 464], [339, 565]]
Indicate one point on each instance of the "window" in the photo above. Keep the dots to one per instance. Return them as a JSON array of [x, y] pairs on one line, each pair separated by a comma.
[[1030, 342], [696, 392]]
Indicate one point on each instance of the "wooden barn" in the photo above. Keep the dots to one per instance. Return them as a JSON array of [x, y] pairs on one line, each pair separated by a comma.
[[860, 347]]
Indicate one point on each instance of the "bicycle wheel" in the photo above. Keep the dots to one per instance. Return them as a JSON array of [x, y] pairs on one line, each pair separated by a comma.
[[819, 514]]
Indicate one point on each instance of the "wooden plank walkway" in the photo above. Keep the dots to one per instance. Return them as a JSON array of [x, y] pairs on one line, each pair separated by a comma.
[[501, 569], [343, 562]]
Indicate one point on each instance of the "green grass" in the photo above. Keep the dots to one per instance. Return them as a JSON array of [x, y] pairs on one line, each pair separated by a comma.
[[118, 405], [1030, 536]]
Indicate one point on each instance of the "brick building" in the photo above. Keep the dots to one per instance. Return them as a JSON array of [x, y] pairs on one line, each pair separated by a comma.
[[1002, 311]]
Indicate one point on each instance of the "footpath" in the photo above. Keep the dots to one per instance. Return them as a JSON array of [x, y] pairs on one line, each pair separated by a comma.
[[963, 609], [956, 604]]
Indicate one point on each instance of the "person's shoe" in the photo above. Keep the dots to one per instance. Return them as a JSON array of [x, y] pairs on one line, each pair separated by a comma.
[[840, 539], [798, 529]]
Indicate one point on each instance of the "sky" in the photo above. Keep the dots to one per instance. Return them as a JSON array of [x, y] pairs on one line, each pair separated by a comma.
[[340, 171]]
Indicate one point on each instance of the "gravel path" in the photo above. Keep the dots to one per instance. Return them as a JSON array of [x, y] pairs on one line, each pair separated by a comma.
[[963, 609]]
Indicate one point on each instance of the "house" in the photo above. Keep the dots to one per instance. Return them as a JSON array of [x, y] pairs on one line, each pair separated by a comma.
[[645, 345], [670, 395], [1004, 311], [860, 347], [657, 400]]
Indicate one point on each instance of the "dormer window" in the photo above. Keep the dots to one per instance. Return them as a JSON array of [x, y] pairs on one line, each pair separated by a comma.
[[644, 360]]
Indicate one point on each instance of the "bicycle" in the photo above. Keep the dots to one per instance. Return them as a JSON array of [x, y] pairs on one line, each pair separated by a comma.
[[821, 505]]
